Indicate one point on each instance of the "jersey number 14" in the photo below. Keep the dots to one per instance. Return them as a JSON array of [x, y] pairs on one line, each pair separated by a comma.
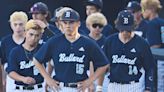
[[132, 70]]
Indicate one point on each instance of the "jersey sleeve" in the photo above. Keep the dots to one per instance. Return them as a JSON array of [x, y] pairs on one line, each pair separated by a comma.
[[107, 50], [44, 53], [97, 56], [12, 61], [149, 65]]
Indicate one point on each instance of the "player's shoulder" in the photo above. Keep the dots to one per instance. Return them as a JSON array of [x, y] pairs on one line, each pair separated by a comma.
[[140, 40], [156, 21], [17, 49], [59, 36], [6, 38], [108, 27], [87, 40], [112, 37]]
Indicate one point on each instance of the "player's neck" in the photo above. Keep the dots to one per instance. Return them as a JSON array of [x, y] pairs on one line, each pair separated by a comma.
[[95, 36], [125, 38], [153, 16], [18, 38], [29, 47], [72, 37]]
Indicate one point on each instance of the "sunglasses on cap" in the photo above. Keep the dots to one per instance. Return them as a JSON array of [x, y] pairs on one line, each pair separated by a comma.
[[97, 25]]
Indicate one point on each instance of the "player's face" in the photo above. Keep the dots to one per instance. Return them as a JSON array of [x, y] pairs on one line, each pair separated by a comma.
[[70, 27], [147, 13], [137, 15], [18, 27], [125, 34], [39, 16], [96, 28], [32, 37], [91, 9]]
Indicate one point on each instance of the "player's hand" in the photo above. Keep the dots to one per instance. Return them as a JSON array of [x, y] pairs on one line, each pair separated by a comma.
[[53, 84], [82, 86], [40, 23], [92, 88], [29, 80], [46, 87]]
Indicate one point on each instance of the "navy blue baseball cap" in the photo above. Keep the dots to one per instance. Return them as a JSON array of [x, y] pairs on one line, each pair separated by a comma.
[[70, 15], [97, 3], [39, 7], [134, 6], [55, 14], [125, 21]]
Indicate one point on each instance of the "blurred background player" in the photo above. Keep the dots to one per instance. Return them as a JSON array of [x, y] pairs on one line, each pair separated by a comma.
[[155, 33], [21, 67], [17, 21], [151, 8], [128, 53], [57, 14], [140, 23], [71, 54], [95, 23], [41, 13], [93, 6]]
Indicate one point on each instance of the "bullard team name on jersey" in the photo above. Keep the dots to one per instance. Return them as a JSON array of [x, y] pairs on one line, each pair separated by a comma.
[[71, 58], [123, 59], [24, 65]]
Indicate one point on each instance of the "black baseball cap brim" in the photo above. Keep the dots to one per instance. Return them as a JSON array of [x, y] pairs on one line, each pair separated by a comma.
[[123, 28], [53, 19]]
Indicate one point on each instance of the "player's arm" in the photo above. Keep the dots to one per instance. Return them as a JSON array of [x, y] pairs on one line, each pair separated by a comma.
[[91, 72], [18, 77], [149, 65], [49, 70], [99, 80], [100, 83], [51, 82], [50, 67]]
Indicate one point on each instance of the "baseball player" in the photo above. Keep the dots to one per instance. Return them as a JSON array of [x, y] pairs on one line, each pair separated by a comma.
[[20, 66], [71, 53], [95, 23], [57, 14], [151, 9], [140, 23], [93, 6], [41, 13], [128, 53], [155, 34], [17, 21]]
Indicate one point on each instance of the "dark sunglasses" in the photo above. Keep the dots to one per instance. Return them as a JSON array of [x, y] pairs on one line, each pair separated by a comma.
[[95, 25]]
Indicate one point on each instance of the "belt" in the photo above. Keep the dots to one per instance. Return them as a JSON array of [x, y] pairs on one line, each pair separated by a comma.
[[72, 85], [28, 87], [129, 82]]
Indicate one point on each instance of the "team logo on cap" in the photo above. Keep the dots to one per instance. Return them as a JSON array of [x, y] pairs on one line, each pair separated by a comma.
[[126, 21], [68, 14]]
